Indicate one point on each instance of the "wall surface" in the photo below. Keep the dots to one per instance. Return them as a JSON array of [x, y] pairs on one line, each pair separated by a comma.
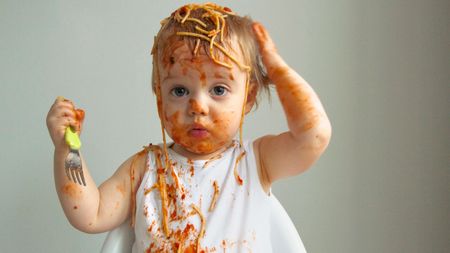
[[381, 69]]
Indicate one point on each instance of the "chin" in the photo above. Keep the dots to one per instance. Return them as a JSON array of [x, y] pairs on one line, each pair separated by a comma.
[[203, 147]]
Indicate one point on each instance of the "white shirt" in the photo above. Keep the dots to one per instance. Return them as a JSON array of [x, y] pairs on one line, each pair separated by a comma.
[[239, 222]]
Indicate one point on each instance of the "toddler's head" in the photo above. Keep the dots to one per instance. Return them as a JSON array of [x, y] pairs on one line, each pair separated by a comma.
[[236, 37], [207, 72]]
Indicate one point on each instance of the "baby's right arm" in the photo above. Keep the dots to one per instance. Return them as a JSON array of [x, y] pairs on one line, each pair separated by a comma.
[[88, 208]]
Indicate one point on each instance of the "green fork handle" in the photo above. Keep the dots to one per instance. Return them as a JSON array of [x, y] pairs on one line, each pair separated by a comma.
[[72, 138]]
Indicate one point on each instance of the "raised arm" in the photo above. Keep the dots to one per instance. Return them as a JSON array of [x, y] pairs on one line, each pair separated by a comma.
[[294, 151], [88, 208]]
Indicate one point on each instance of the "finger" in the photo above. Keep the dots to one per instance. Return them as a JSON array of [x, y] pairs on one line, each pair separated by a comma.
[[58, 128], [264, 40], [69, 118], [61, 110], [277, 69], [63, 123], [66, 112], [62, 99], [65, 104], [57, 109], [55, 105], [77, 112], [60, 117]]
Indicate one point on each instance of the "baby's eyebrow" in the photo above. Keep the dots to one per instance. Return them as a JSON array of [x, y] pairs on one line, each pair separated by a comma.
[[219, 75], [168, 77]]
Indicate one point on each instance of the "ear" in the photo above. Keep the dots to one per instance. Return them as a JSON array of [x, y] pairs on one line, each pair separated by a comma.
[[251, 97]]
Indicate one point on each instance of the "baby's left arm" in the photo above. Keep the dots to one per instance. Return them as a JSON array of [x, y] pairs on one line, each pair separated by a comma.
[[294, 151]]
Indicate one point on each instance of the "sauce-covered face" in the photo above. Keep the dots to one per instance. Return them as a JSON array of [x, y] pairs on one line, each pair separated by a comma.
[[201, 101]]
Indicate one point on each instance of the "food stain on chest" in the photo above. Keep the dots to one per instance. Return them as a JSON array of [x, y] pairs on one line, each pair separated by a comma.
[[191, 167], [187, 237]]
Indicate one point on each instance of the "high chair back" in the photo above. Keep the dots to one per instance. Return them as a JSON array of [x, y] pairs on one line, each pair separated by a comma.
[[284, 236]]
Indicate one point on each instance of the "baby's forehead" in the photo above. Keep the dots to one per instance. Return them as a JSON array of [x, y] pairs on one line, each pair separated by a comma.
[[184, 53], [182, 63], [177, 50], [186, 65]]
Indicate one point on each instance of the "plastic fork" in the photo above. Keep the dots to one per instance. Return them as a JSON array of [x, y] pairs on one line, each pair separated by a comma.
[[72, 164]]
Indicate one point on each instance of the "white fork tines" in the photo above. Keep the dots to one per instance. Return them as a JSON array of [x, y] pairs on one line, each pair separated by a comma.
[[74, 168]]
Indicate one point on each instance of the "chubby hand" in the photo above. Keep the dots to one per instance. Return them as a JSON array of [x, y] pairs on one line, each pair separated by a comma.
[[275, 65], [63, 114]]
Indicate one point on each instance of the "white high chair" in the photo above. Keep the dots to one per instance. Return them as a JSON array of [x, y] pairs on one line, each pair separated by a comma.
[[284, 236]]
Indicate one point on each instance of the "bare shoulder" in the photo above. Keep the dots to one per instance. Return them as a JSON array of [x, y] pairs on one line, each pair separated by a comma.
[[262, 173], [133, 169]]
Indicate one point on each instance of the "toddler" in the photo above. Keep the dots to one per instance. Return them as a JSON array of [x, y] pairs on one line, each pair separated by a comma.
[[207, 191]]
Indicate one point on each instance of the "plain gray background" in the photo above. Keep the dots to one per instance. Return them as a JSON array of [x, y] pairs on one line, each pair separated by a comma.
[[381, 69]]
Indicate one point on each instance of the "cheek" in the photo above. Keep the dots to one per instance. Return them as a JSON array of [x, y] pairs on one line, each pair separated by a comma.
[[223, 121], [176, 129], [225, 125], [172, 122]]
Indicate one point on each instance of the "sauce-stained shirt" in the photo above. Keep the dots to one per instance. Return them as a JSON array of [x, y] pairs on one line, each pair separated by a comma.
[[216, 205]]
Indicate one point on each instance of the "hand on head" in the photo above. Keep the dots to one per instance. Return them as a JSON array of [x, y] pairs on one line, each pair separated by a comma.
[[273, 62]]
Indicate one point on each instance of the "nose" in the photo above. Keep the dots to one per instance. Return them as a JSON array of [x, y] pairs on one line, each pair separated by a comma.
[[198, 107]]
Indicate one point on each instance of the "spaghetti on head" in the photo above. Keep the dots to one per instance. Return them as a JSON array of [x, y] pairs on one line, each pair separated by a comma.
[[219, 33], [212, 30]]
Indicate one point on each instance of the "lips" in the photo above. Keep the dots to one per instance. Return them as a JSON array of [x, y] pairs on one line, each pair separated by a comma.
[[198, 131]]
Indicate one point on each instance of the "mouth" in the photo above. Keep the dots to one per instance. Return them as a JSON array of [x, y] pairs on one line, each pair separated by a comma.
[[198, 131]]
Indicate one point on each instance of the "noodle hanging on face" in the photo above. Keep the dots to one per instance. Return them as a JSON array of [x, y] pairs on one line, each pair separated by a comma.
[[217, 15]]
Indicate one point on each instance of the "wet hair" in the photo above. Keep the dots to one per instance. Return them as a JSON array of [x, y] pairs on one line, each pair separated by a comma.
[[215, 31]]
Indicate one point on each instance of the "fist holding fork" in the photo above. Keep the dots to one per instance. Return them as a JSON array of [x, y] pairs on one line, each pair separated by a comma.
[[63, 114], [64, 123]]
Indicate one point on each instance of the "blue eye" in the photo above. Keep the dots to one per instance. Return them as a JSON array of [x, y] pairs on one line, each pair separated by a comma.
[[219, 91], [179, 91]]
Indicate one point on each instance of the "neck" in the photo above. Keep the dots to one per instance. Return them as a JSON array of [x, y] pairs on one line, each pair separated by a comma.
[[195, 156]]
